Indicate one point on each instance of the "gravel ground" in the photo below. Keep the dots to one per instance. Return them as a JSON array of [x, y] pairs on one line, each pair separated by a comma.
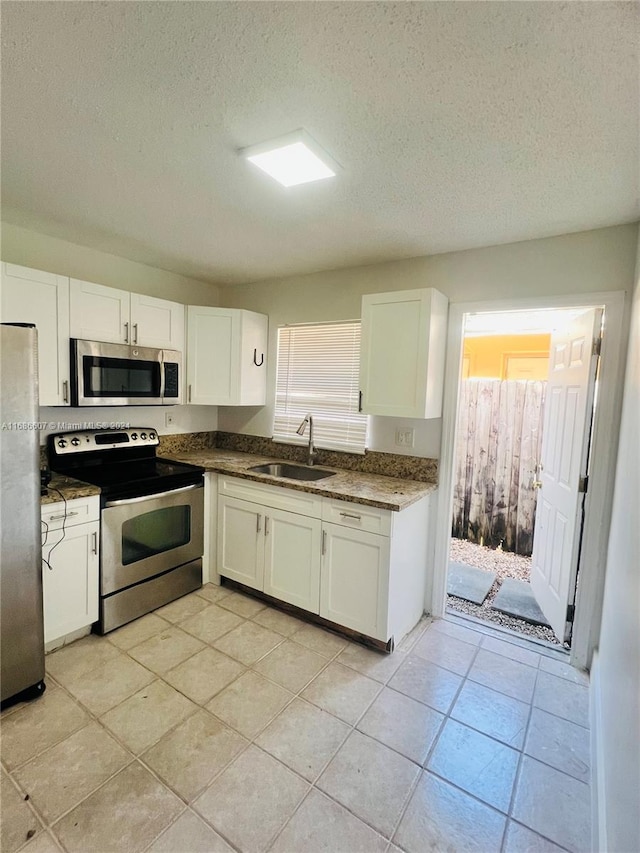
[[505, 565]]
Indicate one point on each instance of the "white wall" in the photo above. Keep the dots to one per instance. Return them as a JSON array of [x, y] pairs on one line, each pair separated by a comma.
[[587, 262], [618, 660], [185, 418], [40, 251]]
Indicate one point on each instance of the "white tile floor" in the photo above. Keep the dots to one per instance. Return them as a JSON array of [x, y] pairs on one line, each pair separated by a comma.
[[220, 724]]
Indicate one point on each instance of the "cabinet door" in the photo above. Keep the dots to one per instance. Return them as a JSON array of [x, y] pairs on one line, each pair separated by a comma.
[[99, 313], [253, 359], [240, 541], [70, 579], [42, 298], [213, 334], [402, 353], [355, 580], [157, 322], [292, 558]]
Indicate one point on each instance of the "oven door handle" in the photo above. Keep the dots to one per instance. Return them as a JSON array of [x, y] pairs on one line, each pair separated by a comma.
[[166, 494]]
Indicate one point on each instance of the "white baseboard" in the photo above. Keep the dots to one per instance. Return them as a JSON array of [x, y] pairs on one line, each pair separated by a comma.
[[598, 797]]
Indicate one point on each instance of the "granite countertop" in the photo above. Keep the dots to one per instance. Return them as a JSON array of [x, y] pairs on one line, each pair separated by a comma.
[[68, 488], [368, 489]]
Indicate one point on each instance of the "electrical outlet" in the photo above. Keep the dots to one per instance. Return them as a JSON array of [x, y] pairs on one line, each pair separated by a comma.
[[168, 419], [405, 437]]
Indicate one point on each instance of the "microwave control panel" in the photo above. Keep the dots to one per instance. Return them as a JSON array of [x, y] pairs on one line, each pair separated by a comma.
[[92, 440]]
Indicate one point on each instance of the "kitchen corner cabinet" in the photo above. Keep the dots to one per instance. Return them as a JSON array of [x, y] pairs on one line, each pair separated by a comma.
[[402, 353], [357, 566], [41, 298], [99, 313], [70, 546], [226, 357]]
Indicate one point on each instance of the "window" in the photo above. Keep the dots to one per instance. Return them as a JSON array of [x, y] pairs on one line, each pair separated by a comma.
[[318, 372]]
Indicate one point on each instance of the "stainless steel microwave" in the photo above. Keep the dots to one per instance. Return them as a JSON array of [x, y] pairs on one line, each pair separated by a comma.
[[120, 375]]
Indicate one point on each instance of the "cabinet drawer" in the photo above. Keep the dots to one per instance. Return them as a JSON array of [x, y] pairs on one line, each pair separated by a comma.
[[277, 497], [370, 519], [78, 511]]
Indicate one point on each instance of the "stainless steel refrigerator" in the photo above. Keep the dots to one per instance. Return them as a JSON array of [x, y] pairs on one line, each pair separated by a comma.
[[21, 623]]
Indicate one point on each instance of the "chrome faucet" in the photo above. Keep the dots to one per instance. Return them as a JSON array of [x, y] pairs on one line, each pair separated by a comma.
[[308, 419]]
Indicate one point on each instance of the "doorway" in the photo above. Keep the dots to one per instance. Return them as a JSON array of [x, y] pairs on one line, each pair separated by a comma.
[[597, 505], [508, 360]]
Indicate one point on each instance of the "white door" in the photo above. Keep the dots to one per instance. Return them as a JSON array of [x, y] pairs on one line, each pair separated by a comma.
[[402, 353], [564, 457], [355, 580], [157, 323], [212, 363], [240, 541], [99, 313], [41, 298], [70, 579], [292, 558]]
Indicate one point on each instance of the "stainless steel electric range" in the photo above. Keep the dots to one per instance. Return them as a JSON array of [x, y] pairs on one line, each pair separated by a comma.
[[151, 521]]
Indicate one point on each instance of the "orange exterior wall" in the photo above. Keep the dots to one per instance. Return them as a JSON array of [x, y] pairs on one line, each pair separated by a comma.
[[487, 357]]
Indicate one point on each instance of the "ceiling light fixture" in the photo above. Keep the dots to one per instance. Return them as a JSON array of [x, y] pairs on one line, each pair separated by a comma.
[[292, 159]]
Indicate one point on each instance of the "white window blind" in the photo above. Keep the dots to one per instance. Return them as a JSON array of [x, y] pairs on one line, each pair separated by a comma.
[[318, 372]]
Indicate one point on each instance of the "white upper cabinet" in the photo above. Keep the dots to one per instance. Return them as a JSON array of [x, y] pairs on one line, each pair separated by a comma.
[[41, 298], [402, 353], [226, 357], [157, 322], [100, 313]]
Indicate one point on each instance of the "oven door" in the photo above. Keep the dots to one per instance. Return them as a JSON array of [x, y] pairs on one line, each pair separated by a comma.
[[115, 374], [144, 537]]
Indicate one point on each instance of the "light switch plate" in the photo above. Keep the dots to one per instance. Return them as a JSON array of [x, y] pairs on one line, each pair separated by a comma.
[[168, 418]]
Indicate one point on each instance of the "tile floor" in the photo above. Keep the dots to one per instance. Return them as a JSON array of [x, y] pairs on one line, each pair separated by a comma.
[[220, 724]]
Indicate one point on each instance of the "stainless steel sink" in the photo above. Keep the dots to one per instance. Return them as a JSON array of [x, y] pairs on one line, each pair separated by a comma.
[[292, 472]]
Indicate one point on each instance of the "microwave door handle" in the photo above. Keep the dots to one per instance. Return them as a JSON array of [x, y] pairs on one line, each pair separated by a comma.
[[168, 493], [162, 378]]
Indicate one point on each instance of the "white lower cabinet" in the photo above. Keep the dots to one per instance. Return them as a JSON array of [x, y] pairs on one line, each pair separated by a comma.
[[240, 542], [70, 537], [292, 558], [360, 567], [271, 550], [355, 580]]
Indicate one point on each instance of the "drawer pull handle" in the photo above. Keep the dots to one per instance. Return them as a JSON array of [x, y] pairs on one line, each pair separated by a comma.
[[94, 538], [324, 542], [135, 333], [65, 391], [126, 333], [351, 515], [258, 522], [189, 394], [266, 525], [62, 515]]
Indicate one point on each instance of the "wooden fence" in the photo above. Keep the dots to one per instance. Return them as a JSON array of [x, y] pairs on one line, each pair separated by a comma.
[[498, 444]]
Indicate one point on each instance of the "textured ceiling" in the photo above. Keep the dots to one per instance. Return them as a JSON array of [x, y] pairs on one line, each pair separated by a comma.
[[457, 125]]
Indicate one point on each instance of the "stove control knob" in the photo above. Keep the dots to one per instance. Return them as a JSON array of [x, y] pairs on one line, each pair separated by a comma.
[[134, 436], [75, 441], [62, 442], [143, 436], [152, 435]]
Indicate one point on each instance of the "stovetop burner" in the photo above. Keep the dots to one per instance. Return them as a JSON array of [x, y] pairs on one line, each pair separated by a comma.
[[122, 463]]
